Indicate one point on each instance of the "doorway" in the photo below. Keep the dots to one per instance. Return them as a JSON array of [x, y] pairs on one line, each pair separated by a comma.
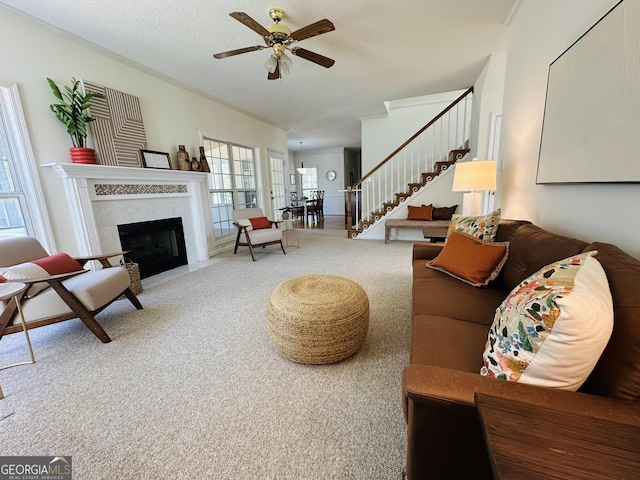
[[276, 183]]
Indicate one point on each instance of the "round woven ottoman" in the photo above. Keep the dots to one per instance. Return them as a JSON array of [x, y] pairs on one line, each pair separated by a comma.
[[318, 319]]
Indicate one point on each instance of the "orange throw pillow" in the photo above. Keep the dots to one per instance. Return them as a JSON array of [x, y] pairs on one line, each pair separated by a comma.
[[470, 260], [260, 222], [420, 213]]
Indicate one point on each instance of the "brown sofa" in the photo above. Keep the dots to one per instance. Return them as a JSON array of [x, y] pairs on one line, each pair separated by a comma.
[[450, 323]]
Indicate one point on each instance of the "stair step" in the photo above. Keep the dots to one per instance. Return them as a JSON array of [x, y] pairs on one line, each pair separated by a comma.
[[427, 177], [455, 155], [401, 197], [443, 166]]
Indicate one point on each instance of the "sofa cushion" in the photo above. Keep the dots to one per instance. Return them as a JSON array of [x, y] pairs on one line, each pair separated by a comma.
[[482, 227], [551, 330], [470, 260], [617, 373], [419, 213], [265, 235], [436, 293], [94, 289], [531, 249], [442, 341]]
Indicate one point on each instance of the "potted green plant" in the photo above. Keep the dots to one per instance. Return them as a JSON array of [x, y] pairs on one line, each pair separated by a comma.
[[71, 111]]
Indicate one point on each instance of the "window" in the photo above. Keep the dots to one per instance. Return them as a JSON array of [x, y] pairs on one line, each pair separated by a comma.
[[12, 202], [22, 210], [309, 181], [232, 182]]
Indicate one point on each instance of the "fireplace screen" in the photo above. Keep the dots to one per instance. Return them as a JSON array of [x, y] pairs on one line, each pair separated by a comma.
[[156, 246]]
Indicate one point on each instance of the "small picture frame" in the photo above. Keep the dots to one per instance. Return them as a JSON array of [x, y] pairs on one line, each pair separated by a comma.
[[292, 179], [152, 159]]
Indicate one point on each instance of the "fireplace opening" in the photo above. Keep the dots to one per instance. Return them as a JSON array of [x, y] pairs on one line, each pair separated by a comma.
[[156, 246]]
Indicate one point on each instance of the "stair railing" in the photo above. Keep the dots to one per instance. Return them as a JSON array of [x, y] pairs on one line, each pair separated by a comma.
[[447, 131]]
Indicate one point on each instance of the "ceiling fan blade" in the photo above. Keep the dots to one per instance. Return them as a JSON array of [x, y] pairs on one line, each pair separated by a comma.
[[317, 28], [251, 23], [276, 73], [231, 53], [326, 62]]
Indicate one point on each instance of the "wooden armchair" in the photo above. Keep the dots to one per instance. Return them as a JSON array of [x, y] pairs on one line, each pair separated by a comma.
[[249, 236], [77, 294]]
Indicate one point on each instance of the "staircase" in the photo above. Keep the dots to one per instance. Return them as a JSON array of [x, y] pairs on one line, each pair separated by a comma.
[[411, 167]]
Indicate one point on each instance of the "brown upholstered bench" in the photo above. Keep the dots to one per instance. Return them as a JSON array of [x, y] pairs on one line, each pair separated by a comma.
[[430, 228]]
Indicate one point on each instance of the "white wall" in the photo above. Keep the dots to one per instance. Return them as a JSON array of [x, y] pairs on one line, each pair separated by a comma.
[[540, 31], [172, 115], [487, 100], [381, 135], [325, 160]]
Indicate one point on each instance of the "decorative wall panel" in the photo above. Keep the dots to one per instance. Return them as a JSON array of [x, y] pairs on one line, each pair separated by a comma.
[[592, 112], [135, 189], [118, 131]]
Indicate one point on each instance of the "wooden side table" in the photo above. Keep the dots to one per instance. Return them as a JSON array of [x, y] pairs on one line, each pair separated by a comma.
[[15, 290], [528, 441]]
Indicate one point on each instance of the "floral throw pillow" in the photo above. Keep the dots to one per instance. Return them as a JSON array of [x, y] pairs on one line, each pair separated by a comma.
[[553, 327], [481, 227]]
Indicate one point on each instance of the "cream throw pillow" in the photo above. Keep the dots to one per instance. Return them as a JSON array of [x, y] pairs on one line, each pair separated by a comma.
[[552, 328]]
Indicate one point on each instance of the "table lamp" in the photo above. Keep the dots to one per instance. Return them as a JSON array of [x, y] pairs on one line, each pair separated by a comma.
[[473, 177]]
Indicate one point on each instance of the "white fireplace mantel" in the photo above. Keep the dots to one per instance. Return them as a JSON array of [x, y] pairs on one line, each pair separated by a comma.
[[101, 196]]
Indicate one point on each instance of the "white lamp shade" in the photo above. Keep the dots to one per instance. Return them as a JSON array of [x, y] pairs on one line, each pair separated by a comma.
[[475, 175]]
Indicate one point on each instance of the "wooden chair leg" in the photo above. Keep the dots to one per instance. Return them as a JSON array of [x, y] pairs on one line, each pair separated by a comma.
[[80, 310], [132, 298], [282, 247], [249, 245], [10, 311], [235, 250]]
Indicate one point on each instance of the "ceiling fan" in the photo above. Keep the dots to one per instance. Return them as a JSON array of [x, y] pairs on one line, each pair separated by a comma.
[[280, 39]]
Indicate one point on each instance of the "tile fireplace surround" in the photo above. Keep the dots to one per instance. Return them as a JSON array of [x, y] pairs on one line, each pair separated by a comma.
[[102, 197]]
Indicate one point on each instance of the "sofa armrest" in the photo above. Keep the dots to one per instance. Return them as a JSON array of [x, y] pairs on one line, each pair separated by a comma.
[[426, 251], [423, 383], [442, 417]]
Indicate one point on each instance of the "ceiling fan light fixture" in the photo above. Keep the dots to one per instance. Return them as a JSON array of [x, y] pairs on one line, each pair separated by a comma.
[[280, 38], [285, 63], [271, 64]]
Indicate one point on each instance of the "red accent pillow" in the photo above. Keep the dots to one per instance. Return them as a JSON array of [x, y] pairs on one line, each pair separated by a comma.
[[260, 222], [420, 213], [58, 263]]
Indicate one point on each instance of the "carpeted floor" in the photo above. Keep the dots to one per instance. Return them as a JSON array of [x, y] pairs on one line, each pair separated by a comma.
[[191, 387]]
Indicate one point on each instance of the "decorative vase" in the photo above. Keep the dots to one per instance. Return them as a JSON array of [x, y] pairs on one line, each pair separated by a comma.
[[203, 161], [83, 155], [195, 165], [285, 215], [183, 158]]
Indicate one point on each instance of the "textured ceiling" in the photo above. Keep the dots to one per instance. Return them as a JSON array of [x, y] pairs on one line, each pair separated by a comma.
[[383, 51]]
